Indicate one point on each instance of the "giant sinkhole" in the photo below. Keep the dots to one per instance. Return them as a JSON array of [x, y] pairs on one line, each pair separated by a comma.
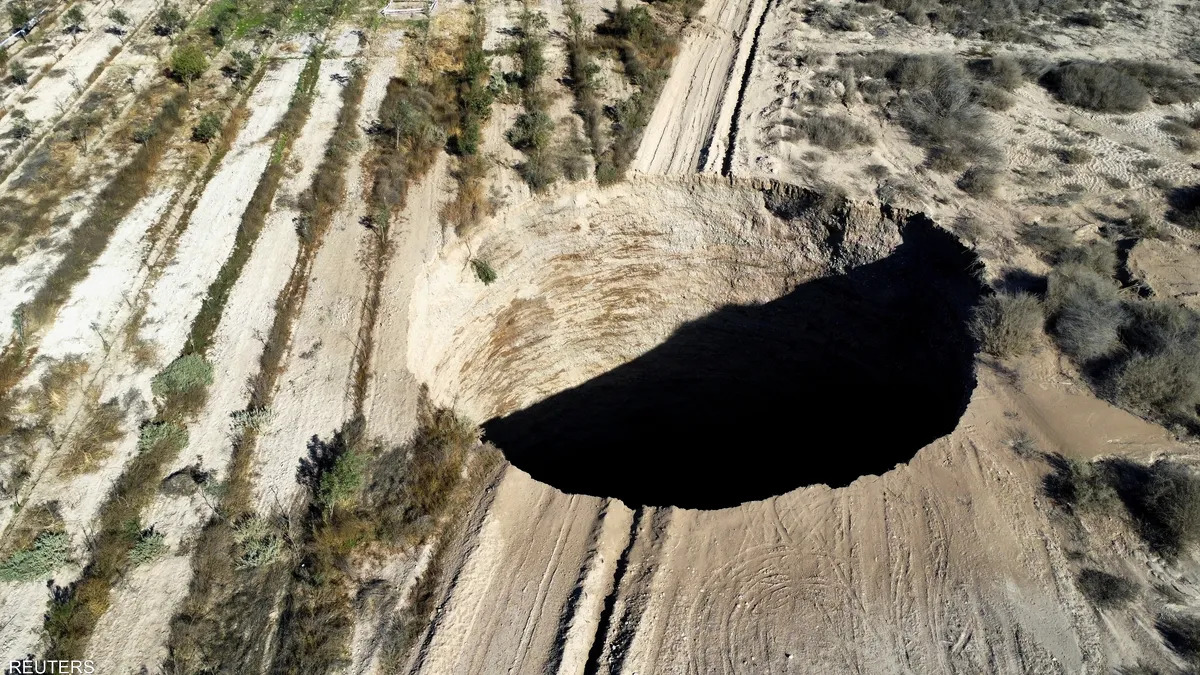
[[734, 342]]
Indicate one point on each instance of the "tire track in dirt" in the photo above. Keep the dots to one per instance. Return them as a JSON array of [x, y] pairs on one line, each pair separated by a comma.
[[684, 127], [758, 19]]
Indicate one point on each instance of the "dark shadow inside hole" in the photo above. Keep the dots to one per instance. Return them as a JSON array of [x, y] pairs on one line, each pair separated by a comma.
[[844, 376]]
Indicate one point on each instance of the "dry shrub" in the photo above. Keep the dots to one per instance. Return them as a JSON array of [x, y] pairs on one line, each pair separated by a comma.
[[1075, 155], [979, 182], [1166, 84], [939, 109], [835, 132], [1086, 313], [993, 97], [1008, 324], [1096, 86], [1185, 206], [1048, 240], [471, 204], [93, 442], [1097, 255], [1080, 485], [1107, 591], [1182, 633]]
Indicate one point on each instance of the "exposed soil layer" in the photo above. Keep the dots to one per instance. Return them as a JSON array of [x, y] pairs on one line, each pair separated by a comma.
[[754, 400]]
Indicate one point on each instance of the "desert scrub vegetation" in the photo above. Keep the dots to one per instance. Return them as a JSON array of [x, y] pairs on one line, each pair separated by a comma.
[[646, 39], [254, 216], [475, 96], [483, 271], [240, 556], [936, 100], [1141, 354], [1008, 324], [1182, 633], [1104, 590], [148, 547], [832, 132], [48, 552], [1185, 207], [582, 74], [93, 441], [182, 381], [533, 131], [395, 499], [1161, 501], [1119, 86]]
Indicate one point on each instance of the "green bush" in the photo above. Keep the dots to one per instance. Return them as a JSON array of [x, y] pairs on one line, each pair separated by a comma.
[[19, 13], [483, 271], [208, 128], [1096, 86], [49, 551], [188, 63], [532, 130], [259, 542], [150, 546], [1107, 591], [162, 435], [184, 375], [75, 20], [169, 20], [340, 484], [1007, 325], [118, 17]]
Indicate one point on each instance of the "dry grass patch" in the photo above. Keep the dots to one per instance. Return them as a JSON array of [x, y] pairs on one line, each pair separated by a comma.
[[1008, 324]]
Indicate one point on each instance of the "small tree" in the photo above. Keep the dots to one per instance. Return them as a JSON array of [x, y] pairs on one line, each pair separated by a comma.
[[242, 66], [18, 73], [188, 63], [120, 20], [76, 22], [19, 14], [168, 21], [207, 129]]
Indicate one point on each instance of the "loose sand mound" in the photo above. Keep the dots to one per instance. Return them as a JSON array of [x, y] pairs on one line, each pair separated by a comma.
[[631, 327]]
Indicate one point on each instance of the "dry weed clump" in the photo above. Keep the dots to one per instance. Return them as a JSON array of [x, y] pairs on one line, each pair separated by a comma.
[[93, 442], [834, 132], [398, 498], [1182, 633], [1141, 354], [646, 39], [238, 564], [1107, 591], [1096, 86], [935, 98], [1008, 324], [114, 202]]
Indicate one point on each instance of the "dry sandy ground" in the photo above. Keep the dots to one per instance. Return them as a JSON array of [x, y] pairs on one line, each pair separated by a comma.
[[954, 561], [173, 301], [133, 634]]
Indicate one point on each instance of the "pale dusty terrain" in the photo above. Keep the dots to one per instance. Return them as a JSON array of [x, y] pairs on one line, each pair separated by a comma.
[[950, 559]]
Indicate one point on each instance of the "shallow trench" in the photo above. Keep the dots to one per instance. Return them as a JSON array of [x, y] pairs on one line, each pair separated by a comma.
[[702, 343]]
